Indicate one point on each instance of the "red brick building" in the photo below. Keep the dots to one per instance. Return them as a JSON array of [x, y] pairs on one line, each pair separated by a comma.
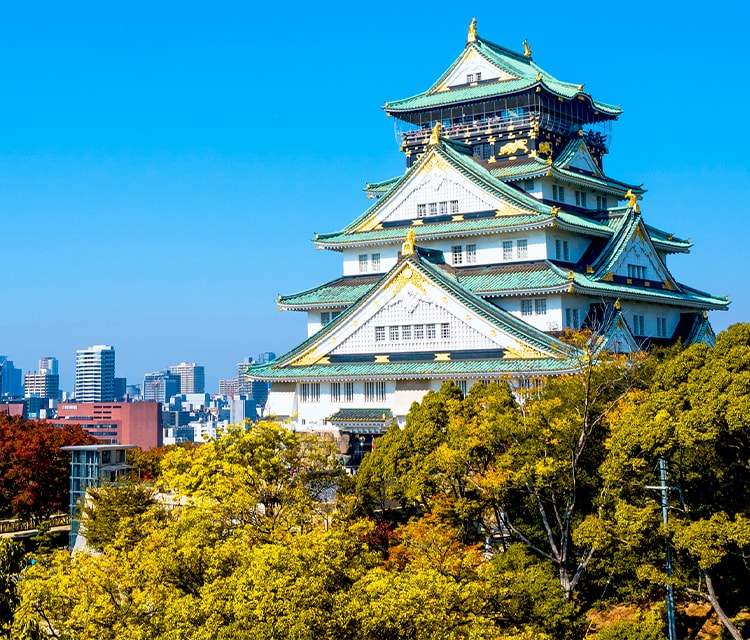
[[137, 423]]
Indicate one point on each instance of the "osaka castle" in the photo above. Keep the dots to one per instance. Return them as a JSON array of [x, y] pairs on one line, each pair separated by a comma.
[[503, 233]]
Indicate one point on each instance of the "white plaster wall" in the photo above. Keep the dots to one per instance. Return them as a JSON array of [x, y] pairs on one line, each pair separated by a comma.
[[577, 245], [650, 312], [388, 258]]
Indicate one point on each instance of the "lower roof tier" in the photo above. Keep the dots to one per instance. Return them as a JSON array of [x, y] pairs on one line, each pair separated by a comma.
[[531, 278]]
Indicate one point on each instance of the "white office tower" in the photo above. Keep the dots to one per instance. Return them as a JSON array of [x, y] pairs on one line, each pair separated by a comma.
[[95, 374], [192, 377]]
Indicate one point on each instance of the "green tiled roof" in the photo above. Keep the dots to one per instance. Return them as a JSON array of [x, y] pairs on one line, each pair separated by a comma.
[[416, 370], [361, 415], [536, 167], [341, 292], [525, 70], [665, 240], [531, 276], [382, 186]]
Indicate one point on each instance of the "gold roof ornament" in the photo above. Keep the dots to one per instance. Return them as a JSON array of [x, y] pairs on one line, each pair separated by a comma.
[[571, 275], [472, 37], [617, 304], [554, 210], [407, 248], [632, 200], [435, 135], [526, 49]]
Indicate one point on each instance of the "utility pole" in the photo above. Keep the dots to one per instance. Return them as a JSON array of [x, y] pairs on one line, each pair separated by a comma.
[[663, 488]]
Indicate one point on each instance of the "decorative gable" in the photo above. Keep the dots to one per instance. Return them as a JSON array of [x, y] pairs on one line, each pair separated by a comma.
[[413, 314], [434, 188], [617, 338], [583, 160], [639, 260], [473, 67]]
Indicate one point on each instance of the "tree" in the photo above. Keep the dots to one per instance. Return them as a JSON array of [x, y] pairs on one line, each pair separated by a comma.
[[695, 418], [11, 564], [111, 513], [526, 469], [34, 471]]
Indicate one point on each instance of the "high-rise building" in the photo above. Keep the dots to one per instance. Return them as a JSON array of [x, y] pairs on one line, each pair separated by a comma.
[[48, 364], [503, 232], [228, 387], [95, 374], [192, 377], [160, 386], [257, 390], [11, 380], [42, 385]]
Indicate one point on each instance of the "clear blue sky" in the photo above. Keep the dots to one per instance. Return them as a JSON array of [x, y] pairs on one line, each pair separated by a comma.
[[165, 165]]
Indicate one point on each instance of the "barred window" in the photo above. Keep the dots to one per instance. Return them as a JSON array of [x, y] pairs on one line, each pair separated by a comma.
[[458, 254], [433, 208], [445, 331], [393, 333], [375, 391], [325, 317], [421, 210], [335, 392], [419, 332], [454, 206], [375, 261], [348, 392], [507, 249], [527, 307], [431, 332], [471, 253], [379, 334], [540, 306], [363, 261], [522, 249], [310, 392], [443, 207], [406, 331]]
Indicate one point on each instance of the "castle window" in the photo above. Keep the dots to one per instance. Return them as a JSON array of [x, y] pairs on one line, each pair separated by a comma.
[[580, 198], [310, 392], [406, 332], [528, 184], [454, 206], [507, 249], [379, 334], [375, 262], [431, 333], [522, 249], [661, 327], [478, 76], [571, 318], [638, 325], [393, 333], [443, 207], [469, 78], [445, 331], [540, 306], [433, 208], [335, 392], [419, 332], [471, 253], [325, 317], [458, 254], [483, 150], [636, 271], [601, 202], [375, 391], [558, 193], [363, 262], [348, 392], [421, 210], [527, 307], [562, 250]]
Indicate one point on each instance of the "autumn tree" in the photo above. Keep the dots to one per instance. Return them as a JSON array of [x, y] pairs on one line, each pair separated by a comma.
[[34, 471]]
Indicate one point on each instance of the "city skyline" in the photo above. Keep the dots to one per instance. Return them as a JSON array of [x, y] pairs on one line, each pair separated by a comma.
[[133, 143]]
